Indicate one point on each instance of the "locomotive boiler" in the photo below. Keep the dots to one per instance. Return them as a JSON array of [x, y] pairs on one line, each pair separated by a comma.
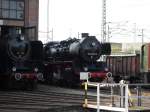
[[18, 68], [65, 60]]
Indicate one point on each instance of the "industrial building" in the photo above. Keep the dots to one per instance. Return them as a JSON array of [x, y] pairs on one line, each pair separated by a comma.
[[19, 14]]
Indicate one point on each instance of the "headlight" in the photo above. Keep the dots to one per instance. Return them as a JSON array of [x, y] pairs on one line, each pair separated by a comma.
[[36, 69], [93, 44], [14, 69], [22, 37], [106, 69], [85, 69]]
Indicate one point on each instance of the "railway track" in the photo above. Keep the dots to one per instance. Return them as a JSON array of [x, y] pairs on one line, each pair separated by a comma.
[[45, 97]]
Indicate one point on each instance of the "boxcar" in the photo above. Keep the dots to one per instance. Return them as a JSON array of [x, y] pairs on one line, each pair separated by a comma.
[[126, 67]]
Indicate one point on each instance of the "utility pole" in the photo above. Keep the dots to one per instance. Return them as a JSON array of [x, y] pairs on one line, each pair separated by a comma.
[[103, 29], [108, 32], [78, 35], [142, 36], [134, 38], [103, 32], [47, 19], [52, 34]]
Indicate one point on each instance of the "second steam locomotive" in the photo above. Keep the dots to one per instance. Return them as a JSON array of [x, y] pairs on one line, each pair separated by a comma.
[[66, 60]]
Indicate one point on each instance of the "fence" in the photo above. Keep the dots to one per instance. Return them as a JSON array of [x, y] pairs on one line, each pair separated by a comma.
[[116, 97]]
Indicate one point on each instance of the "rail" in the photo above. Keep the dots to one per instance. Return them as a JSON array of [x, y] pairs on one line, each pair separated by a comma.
[[117, 97]]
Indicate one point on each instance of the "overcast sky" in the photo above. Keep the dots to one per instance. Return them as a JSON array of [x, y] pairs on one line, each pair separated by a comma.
[[68, 17]]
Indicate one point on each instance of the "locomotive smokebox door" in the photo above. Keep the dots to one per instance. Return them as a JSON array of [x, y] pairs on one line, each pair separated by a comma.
[[84, 75]]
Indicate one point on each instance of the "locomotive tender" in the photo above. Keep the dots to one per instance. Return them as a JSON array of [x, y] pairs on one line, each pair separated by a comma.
[[18, 65], [65, 60]]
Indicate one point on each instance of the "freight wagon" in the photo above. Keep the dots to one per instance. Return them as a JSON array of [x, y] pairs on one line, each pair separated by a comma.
[[126, 67], [145, 63]]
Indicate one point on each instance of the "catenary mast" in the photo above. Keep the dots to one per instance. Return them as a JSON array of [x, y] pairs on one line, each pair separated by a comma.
[[103, 30]]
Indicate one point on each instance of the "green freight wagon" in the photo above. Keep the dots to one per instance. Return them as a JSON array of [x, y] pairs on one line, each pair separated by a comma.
[[145, 62]]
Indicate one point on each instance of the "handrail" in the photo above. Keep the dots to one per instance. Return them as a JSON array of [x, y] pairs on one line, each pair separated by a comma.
[[98, 106], [120, 96]]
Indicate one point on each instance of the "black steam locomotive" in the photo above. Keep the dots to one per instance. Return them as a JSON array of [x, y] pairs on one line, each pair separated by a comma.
[[66, 60], [18, 61]]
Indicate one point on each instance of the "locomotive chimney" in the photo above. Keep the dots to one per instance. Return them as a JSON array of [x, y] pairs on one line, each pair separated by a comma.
[[84, 35]]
